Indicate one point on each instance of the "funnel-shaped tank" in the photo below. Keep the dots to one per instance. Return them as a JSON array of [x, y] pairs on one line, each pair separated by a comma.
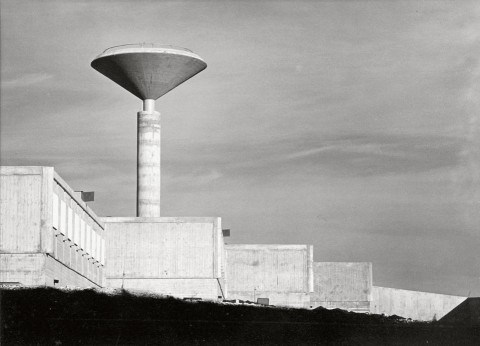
[[148, 71]]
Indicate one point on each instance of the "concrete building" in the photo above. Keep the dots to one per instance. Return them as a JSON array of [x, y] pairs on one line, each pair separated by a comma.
[[281, 273], [182, 257], [48, 236]]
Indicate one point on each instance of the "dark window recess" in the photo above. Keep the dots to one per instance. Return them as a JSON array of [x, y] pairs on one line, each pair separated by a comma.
[[226, 232]]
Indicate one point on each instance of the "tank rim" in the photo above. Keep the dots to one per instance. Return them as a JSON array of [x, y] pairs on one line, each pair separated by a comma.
[[147, 48]]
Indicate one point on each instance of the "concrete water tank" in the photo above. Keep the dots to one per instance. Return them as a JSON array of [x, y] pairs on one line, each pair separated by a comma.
[[148, 71]]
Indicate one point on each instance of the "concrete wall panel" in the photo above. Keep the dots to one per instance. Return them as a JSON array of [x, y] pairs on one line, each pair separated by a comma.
[[417, 305], [182, 257], [278, 272], [20, 210], [27, 269], [342, 285], [267, 267], [160, 249]]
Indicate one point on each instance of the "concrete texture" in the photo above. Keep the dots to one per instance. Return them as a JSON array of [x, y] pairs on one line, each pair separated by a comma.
[[282, 273], [40, 270], [26, 269], [41, 216], [148, 253], [148, 164], [422, 306], [148, 72], [25, 221], [66, 253], [66, 276], [342, 285]]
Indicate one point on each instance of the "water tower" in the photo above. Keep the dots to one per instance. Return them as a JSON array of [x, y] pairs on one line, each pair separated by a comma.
[[148, 71]]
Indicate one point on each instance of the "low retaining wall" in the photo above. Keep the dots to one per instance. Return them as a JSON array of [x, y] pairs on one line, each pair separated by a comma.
[[422, 306]]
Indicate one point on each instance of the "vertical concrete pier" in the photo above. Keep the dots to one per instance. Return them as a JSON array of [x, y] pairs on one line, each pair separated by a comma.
[[148, 163]]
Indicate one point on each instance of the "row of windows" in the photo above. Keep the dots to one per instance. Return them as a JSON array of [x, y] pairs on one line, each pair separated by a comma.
[[76, 225]]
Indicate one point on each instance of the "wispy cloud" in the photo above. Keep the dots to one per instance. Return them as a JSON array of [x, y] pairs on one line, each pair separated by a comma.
[[197, 178], [25, 80], [339, 156], [347, 146]]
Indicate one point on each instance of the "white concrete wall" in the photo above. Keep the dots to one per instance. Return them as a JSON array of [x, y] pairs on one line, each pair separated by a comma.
[[25, 223], [343, 285], [26, 269], [66, 276], [178, 256], [281, 273], [40, 214], [416, 305], [40, 269]]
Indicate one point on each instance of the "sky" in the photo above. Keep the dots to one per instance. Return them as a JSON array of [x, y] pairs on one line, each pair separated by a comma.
[[349, 125]]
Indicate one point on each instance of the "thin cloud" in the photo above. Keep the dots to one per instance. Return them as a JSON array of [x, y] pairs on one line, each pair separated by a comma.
[[26, 80], [351, 147], [354, 155], [196, 178], [309, 152]]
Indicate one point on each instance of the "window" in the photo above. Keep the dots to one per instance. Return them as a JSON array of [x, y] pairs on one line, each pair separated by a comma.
[[63, 218], [88, 238], [103, 252], [99, 247], [55, 211], [94, 244], [76, 234], [82, 234], [70, 224]]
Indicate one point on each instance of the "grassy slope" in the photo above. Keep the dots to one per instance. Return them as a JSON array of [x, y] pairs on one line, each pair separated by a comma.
[[86, 317]]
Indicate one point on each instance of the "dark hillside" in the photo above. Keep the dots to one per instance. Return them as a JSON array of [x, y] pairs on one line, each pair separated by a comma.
[[49, 316]]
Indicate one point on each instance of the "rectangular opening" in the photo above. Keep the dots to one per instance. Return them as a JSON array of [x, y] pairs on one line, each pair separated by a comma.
[[70, 223], [55, 211], [63, 217]]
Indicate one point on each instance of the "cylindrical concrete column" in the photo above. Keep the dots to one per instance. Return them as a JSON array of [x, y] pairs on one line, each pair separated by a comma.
[[148, 164]]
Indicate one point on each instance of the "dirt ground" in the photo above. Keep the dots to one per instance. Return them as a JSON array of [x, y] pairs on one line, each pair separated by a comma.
[[47, 316]]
